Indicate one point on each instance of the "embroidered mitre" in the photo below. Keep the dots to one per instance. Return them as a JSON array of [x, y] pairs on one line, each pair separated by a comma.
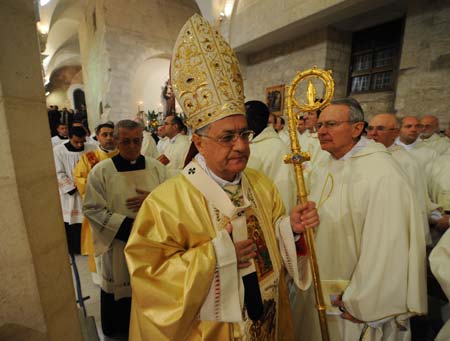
[[205, 74]]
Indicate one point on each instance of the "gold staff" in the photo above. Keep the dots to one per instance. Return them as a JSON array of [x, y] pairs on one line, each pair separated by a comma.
[[297, 158]]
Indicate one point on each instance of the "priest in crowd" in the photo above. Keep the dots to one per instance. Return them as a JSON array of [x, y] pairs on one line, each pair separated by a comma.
[[267, 152], [105, 150], [115, 190], [67, 156], [370, 243], [176, 146], [430, 135], [408, 138], [384, 128], [211, 247], [62, 134]]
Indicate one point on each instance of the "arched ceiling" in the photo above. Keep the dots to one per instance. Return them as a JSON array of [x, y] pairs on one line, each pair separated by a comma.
[[61, 18]]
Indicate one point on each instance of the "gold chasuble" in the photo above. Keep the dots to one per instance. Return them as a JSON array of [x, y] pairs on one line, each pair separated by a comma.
[[184, 276]]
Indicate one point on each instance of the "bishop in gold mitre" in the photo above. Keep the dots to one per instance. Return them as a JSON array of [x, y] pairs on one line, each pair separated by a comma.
[[211, 248]]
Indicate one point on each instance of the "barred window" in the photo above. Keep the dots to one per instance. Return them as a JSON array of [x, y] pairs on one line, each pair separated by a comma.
[[375, 56]]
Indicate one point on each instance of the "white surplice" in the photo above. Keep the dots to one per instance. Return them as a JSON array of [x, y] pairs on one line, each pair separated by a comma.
[[439, 186], [418, 183], [148, 148], [176, 150], [266, 155], [438, 143], [440, 266]]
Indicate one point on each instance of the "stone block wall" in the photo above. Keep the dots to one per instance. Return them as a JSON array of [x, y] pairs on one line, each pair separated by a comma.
[[423, 82], [279, 64], [126, 36]]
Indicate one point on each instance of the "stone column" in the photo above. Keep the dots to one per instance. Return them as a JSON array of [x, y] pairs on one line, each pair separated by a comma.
[[37, 300]]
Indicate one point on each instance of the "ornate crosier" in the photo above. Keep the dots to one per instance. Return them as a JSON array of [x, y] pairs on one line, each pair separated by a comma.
[[297, 158]]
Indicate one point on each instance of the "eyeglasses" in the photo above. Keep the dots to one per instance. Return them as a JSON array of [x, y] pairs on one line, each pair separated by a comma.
[[331, 124], [380, 128], [230, 139]]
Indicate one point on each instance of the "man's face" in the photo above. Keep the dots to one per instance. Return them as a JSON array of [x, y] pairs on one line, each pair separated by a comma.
[[382, 129], [301, 126], [170, 128], [105, 138], [410, 129], [339, 139], [161, 132], [429, 126], [278, 126], [129, 143], [272, 120], [77, 142], [310, 120], [225, 161], [62, 130]]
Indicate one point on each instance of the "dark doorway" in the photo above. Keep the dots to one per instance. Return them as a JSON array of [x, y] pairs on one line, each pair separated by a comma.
[[78, 99]]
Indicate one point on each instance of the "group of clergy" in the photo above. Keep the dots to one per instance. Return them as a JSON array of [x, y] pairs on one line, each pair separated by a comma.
[[203, 238]]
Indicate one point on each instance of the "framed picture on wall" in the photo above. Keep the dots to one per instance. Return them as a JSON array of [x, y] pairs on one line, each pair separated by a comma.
[[275, 99]]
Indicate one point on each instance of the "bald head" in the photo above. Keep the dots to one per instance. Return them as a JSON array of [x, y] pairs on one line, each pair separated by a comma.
[[383, 128], [430, 126]]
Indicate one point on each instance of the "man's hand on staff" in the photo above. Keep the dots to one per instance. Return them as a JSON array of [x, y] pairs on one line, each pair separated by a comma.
[[304, 216], [134, 203], [245, 250]]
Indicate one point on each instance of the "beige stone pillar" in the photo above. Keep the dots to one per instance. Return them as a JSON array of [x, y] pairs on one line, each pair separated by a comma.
[[37, 300]]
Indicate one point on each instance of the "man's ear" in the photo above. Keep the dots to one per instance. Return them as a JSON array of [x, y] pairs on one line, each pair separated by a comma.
[[358, 128], [198, 142]]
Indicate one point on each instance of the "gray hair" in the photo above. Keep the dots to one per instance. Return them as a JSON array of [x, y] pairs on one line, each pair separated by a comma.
[[203, 130], [126, 124], [356, 113]]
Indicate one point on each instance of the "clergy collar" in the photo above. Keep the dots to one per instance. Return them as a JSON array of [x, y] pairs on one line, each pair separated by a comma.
[[105, 150], [71, 148], [173, 139], [356, 148], [63, 137], [123, 165], [221, 182], [406, 146]]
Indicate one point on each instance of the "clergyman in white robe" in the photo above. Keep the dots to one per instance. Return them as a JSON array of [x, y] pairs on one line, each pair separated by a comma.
[[370, 248]]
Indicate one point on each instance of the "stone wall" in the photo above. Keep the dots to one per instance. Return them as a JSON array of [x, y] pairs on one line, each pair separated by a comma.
[[126, 36], [327, 48], [37, 300], [279, 64], [423, 82]]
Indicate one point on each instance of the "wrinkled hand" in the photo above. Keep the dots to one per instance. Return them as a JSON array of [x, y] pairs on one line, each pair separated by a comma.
[[134, 203], [163, 159], [245, 250], [304, 216], [345, 314]]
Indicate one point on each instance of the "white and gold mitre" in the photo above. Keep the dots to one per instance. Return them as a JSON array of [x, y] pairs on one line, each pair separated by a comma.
[[205, 74]]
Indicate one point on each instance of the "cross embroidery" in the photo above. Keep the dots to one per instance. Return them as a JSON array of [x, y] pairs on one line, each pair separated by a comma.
[[191, 171]]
